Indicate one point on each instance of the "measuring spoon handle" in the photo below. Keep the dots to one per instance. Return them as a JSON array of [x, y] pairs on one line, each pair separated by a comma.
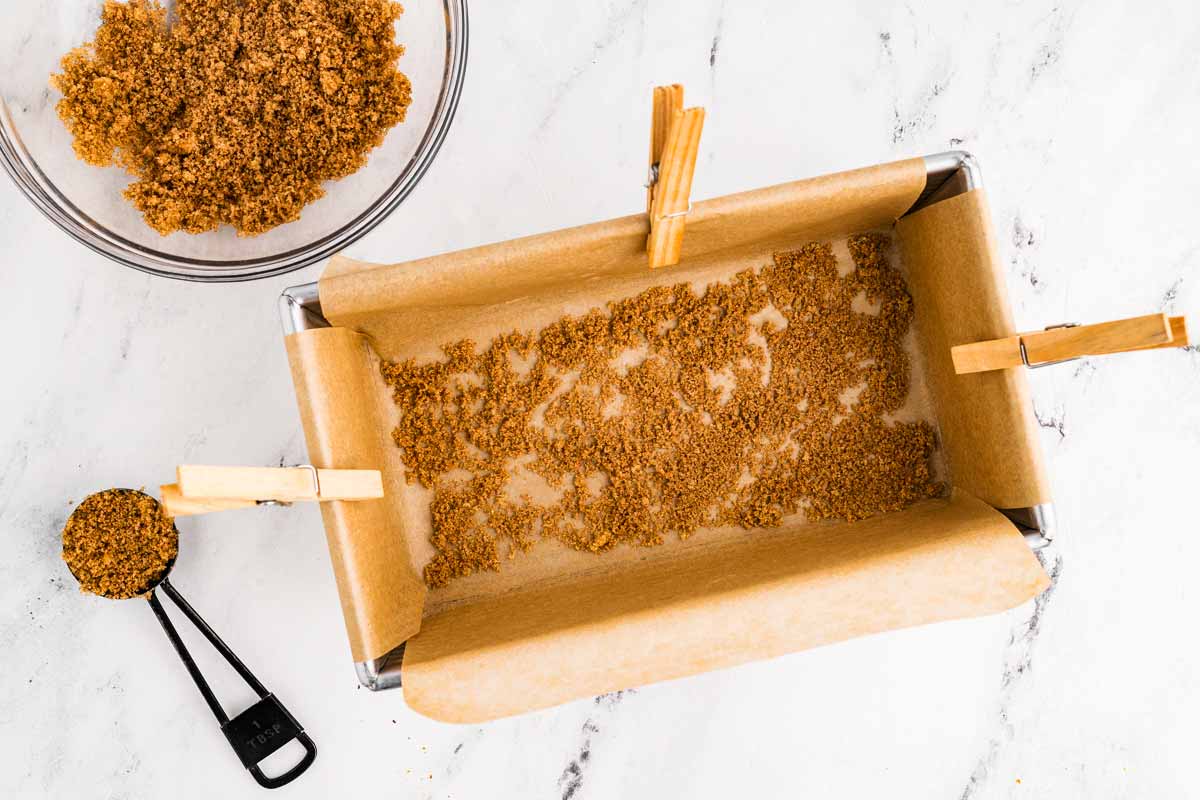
[[261, 729]]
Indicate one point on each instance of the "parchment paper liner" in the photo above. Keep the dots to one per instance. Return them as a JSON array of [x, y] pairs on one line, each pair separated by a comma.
[[556, 624]]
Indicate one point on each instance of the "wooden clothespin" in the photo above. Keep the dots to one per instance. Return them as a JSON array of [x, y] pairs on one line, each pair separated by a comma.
[[202, 489], [674, 143], [1067, 342]]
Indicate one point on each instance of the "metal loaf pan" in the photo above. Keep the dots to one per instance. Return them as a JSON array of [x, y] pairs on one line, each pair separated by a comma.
[[947, 175]]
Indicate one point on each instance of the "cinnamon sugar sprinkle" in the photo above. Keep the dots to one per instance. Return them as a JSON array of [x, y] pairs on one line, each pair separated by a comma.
[[669, 412]]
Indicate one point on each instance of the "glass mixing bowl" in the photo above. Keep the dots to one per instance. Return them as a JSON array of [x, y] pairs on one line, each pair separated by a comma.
[[86, 201]]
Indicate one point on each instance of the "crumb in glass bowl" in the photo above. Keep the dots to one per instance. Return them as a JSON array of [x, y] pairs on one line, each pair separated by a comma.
[[233, 113]]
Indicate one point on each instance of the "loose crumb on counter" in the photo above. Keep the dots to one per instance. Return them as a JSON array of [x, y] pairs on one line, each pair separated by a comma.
[[119, 543], [669, 412], [237, 111]]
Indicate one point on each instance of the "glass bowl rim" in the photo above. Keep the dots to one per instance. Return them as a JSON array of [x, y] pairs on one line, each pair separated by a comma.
[[47, 198]]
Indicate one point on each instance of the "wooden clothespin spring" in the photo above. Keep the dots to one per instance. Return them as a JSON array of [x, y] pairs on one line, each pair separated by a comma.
[[203, 489], [674, 145], [1059, 343]]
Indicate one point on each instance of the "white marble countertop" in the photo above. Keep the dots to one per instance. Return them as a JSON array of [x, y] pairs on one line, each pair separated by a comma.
[[1084, 119]]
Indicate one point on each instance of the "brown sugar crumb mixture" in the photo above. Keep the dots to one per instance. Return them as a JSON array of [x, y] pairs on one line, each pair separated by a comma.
[[118, 543], [236, 112], [672, 411]]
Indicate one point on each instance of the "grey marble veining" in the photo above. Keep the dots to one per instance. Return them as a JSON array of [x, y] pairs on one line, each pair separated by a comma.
[[1084, 118]]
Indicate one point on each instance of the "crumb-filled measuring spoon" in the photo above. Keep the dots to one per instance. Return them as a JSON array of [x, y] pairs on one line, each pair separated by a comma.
[[119, 544]]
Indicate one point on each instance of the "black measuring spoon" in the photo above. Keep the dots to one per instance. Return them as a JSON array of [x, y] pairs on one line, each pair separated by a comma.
[[256, 732]]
